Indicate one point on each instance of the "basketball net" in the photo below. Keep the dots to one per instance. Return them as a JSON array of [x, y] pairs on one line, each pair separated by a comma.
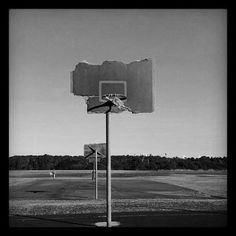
[[116, 101]]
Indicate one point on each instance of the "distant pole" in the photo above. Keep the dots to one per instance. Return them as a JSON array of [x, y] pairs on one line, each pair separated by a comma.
[[96, 181], [108, 179], [93, 172]]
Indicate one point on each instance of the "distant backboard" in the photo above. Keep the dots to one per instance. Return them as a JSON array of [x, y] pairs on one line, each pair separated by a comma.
[[133, 83], [89, 150]]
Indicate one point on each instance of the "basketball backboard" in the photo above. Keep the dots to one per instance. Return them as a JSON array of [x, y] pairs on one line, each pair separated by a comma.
[[90, 149], [132, 83]]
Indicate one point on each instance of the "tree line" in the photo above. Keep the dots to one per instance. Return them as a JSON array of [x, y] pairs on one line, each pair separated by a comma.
[[118, 162]]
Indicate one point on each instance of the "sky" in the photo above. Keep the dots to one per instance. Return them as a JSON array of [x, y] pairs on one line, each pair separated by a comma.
[[189, 49]]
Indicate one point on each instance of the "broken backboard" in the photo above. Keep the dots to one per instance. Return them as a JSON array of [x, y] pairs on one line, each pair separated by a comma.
[[132, 83]]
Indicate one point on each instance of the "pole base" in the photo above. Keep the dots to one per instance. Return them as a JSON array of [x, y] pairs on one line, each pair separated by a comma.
[[104, 224]]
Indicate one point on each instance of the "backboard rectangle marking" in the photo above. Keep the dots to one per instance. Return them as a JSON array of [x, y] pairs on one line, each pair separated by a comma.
[[102, 82]]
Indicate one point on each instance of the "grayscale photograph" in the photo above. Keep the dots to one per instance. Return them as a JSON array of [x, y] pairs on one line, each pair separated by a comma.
[[117, 118]]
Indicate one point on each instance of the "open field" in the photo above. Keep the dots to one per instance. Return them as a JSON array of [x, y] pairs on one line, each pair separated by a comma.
[[71, 184], [34, 193], [115, 173]]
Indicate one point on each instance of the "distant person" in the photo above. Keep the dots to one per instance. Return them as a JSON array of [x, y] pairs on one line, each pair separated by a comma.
[[93, 175], [53, 174]]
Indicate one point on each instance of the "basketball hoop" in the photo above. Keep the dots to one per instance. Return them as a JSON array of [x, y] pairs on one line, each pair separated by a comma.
[[116, 100], [112, 100], [105, 94]]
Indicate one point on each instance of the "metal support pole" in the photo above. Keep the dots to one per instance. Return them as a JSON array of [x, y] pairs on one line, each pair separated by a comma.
[[108, 174], [96, 175]]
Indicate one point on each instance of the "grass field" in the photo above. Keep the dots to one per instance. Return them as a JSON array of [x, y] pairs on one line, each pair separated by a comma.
[[72, 192]]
